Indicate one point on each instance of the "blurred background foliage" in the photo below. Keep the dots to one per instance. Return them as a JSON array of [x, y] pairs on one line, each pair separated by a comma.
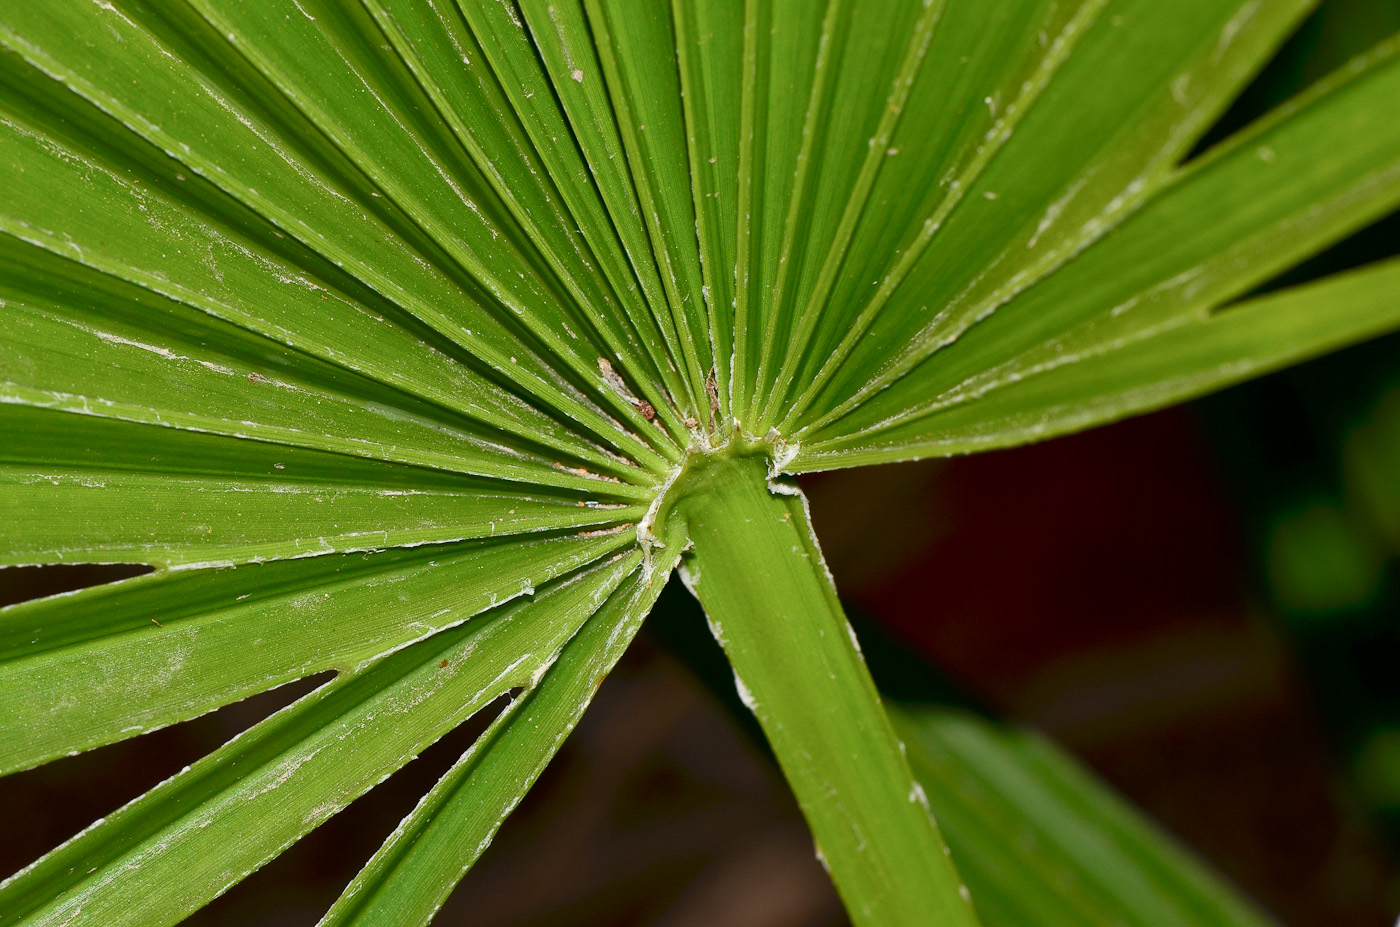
[[1202, 604]]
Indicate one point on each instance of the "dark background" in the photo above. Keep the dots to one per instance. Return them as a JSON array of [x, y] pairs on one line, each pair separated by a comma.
[[1203, 604]]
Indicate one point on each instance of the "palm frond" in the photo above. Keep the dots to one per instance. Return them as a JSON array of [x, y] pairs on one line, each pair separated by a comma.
[[397, 335]]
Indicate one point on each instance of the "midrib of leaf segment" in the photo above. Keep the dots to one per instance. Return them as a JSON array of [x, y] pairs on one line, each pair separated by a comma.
[[175, 149], [708, 58], [740, 380]]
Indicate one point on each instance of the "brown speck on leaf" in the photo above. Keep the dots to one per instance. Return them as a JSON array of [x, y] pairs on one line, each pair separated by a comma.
[[647, 409], [157, 623], [619, 386], [256, 378], [442, 664], [712, 390]]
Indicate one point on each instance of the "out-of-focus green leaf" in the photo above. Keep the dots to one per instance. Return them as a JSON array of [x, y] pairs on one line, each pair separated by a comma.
[[1371, 458], [1320, 562], [1042, 843]]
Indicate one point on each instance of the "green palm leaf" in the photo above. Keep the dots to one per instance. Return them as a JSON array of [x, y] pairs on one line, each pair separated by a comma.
[[1042, 842], [420, 341]]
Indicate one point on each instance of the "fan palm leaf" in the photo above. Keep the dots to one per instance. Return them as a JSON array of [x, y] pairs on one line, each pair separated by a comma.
[[421, 340]]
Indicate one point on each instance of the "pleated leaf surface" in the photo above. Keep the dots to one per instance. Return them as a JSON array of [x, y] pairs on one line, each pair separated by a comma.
[[378, 327]]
